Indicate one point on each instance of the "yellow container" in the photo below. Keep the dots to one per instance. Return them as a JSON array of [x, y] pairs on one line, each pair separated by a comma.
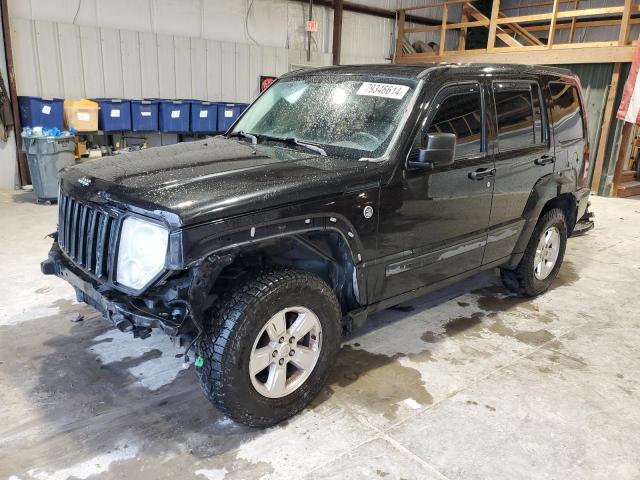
[[81, 115]]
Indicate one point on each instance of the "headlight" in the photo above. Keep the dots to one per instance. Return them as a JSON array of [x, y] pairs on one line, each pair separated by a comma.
[[142, 252]]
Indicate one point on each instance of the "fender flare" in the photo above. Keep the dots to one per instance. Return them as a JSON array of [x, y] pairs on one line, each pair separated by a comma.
[[546, 189], [228, 241]]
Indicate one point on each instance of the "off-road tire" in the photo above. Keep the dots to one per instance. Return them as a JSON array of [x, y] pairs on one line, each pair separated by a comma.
[[226, 345], [522, 279]]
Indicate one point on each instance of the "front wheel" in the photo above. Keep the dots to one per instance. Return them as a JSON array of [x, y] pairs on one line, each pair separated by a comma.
[[278, 338], [543, 257]]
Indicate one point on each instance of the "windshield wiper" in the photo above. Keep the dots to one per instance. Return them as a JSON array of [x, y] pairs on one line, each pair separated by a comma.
[[240, 133], [295, 141]]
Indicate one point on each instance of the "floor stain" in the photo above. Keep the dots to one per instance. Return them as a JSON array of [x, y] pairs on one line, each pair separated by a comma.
[[377, 382], [462, 324], [88, 406], [430, 337], [535, 338], [568, 275]]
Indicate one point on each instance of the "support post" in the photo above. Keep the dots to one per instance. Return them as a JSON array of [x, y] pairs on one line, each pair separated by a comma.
[[552, 27], [604, 132], [462, 33], [337, 30], [399, 34], [576, 5], [443, 31], [23, 171], [624, 24], [491, 40]]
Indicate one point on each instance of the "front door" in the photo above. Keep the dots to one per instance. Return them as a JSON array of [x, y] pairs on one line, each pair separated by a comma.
[[433, 224]]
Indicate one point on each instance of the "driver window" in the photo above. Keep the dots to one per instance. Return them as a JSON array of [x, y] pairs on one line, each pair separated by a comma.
[[460, 113]]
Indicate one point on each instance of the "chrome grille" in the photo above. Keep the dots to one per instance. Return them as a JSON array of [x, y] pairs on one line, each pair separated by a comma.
[[87, 235]]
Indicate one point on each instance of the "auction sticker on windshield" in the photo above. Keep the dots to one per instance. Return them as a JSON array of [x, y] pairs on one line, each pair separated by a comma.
[[386, 90]]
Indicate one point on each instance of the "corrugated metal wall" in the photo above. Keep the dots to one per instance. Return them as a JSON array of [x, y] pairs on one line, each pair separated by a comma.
[[207, 49]]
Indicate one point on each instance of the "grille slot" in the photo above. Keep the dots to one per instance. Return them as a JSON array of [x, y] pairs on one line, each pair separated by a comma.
[[87, 235]]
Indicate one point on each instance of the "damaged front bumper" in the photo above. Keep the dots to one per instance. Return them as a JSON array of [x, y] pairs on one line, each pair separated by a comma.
[[137, 315]]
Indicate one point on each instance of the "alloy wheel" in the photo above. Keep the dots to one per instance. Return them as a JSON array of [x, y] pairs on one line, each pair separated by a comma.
[[285, 352]]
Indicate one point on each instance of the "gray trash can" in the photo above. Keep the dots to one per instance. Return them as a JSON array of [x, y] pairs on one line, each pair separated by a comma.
[[46, 156]]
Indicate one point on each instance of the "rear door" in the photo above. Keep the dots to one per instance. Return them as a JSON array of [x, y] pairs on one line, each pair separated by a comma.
[[523, 155], [568, 126]]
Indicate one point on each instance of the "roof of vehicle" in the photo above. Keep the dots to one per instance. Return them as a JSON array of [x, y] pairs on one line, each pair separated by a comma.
[[418, 71]]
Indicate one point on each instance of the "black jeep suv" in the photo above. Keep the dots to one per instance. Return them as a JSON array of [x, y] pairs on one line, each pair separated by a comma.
[[340, 192]]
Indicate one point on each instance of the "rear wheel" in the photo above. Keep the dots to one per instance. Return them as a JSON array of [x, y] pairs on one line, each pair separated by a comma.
[[278, 337], [543, 257]]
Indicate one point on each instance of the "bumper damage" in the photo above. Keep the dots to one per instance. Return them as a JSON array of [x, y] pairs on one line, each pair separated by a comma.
[[137, 315]]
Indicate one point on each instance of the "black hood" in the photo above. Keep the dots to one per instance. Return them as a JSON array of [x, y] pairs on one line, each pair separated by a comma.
[[210, 179]]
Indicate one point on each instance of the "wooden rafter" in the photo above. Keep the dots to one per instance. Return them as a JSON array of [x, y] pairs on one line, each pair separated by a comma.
[[514, 30]]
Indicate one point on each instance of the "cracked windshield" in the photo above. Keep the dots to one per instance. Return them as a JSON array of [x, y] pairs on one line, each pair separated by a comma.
[[334, 116]]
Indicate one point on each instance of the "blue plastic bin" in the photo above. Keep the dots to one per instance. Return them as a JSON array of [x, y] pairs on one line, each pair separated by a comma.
[[39, 112], [173, 115], [204, 116], [228, 113], [114, 115], [144, 115]]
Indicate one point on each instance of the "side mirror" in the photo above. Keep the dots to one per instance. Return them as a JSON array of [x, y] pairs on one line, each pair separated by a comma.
[[439, 152]]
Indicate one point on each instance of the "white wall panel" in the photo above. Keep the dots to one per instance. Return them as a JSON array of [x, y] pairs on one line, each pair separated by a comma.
[[214, 70], [255, 70], [70, 58], [178, 17], [149, 76], [111, 62], [24, 51], [242, 93], [268, 61], [199, 68], [166, 67], [131, 75], [228, 66], [182, 61], [175, 48], [91, 68], [282, 61], [48, 57]]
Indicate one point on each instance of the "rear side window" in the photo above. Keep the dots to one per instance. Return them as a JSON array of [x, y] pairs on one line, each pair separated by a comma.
[[566, 112], [460, 113], [519, 116]]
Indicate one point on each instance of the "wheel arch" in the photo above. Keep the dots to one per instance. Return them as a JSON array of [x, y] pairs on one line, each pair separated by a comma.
[[327, 246], [551, 191]]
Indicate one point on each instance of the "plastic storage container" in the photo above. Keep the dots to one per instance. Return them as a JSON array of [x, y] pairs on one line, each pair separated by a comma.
[[144, 115], [46, 156], [204, 116], [115, 115], [39, 112], [173, 115], [228, 113], [81, 115]]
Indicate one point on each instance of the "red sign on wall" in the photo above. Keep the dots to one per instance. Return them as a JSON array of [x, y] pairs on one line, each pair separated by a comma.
[[266, 81]]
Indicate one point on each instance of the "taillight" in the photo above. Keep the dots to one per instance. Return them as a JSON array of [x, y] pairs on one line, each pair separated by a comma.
[[585, 166]]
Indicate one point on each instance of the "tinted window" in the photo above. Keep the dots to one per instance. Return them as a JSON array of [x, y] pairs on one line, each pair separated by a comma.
[[520, 119], [566, 112], [461, 114]]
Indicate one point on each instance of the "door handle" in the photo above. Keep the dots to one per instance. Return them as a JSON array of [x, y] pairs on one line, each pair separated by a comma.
[[545, 159], [481, 173]]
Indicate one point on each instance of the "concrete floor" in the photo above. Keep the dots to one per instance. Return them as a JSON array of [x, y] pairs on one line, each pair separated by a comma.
[[468, 383]]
